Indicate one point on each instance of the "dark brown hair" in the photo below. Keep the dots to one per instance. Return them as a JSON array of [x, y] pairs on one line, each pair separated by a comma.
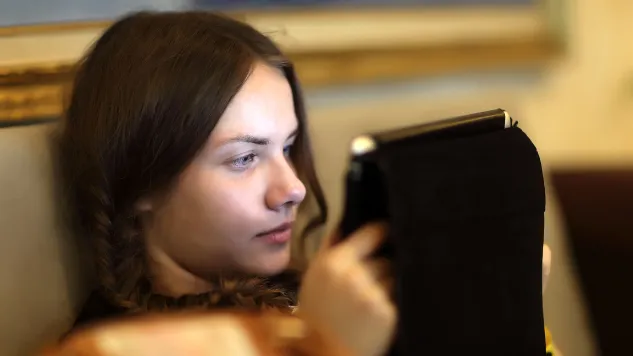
[[145, 99]]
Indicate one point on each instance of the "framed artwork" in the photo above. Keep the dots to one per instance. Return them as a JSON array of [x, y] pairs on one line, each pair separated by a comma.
[[332, 42]]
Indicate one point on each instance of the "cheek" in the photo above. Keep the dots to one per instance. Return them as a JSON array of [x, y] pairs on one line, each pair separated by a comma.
[[221, 202]]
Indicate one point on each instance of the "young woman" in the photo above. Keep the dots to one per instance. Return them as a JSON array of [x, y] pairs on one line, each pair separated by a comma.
[[186, 157]]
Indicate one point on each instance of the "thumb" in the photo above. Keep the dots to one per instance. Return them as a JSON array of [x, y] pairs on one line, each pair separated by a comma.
[[363, 242]]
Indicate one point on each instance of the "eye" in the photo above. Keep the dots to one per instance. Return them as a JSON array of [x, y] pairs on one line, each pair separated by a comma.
[[287, 150], [243, 162]]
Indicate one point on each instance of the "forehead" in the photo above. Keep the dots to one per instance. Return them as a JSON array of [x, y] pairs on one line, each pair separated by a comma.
[[263, 107]]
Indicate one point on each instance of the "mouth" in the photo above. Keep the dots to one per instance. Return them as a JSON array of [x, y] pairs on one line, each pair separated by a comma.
[[279, 235]]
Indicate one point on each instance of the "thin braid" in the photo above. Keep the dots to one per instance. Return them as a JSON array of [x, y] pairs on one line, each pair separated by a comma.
[[105, 259]]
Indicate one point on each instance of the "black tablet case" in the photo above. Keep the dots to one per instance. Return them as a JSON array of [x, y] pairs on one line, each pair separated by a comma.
[[466, 212]]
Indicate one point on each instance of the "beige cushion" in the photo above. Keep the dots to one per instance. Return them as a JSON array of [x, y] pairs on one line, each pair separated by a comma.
[[42, 280]]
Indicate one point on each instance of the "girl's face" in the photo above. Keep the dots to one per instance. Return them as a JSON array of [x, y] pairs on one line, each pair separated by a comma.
[[233, 207]]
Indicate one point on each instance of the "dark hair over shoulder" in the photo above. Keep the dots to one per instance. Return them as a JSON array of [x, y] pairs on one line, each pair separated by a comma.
[[144, 101]]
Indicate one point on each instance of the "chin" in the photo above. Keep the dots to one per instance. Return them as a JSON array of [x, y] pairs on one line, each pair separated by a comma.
[[269, 264]]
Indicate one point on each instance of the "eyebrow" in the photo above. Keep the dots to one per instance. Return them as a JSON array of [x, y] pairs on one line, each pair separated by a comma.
[[261, 141], [249, 139]]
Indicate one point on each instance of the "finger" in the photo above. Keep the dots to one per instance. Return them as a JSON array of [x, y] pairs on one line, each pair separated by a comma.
[[372, 274], [547, 262], [382, 273], [388, 284], [377, 291], [378, 269], [363, 242], [366, 279]]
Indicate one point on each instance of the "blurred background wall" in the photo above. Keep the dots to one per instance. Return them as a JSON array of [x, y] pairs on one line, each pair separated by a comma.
[[577, 110]]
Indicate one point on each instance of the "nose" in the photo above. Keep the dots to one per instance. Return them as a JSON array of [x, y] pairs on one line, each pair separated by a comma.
[[285, 189]]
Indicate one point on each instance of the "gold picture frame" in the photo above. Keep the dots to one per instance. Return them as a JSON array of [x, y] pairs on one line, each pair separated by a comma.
[[327, 47]]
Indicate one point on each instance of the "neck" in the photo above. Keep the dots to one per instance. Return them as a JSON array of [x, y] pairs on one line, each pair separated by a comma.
[[171, 279]]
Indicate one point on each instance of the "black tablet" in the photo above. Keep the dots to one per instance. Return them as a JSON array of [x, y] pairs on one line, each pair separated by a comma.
[[366, 199]]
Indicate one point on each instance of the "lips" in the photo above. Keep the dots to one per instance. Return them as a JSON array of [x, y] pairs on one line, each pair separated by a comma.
[[279, 235]]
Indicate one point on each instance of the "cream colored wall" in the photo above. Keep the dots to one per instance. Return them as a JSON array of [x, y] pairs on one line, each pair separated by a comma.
[[582, 110]]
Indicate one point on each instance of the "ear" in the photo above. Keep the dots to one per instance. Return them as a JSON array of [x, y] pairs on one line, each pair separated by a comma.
[[144, 205]]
